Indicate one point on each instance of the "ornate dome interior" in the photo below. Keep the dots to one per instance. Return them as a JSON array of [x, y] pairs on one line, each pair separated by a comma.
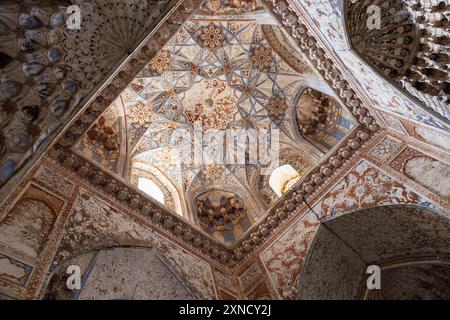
[[224, 149]]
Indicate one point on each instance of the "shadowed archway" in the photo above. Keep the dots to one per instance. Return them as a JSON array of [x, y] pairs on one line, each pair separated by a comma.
[[410, 244]]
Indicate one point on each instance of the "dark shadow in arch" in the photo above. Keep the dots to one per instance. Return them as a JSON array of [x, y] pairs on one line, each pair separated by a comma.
[[411, 245]]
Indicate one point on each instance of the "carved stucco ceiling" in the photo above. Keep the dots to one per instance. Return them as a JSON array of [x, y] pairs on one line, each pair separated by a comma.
[[221, 74], [233, 7]]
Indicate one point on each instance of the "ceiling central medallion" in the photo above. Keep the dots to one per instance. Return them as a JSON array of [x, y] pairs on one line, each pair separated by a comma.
[[212, 37], [212, 103]]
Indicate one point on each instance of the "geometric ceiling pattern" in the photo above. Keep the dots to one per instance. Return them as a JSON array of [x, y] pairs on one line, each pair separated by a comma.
[[402, 67], [212, 76]]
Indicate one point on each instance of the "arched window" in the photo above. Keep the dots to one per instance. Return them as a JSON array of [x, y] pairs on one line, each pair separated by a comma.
[[150, 188], [283, 178]]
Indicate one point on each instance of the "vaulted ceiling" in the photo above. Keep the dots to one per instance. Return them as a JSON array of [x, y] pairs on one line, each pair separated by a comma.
[[213, 75], [107, 99]]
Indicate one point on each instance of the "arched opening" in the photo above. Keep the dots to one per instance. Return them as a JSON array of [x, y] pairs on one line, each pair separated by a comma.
[[119, 273], [157, 185], [283, 179], [410, 245], [150, 188]]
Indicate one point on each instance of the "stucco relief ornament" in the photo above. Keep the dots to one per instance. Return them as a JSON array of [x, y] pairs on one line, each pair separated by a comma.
[[161, 63], [262, 58], [212, 5], [229, 6], [105, 136], [276, 107], [212, 37], [141, 115], [2, 143]]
